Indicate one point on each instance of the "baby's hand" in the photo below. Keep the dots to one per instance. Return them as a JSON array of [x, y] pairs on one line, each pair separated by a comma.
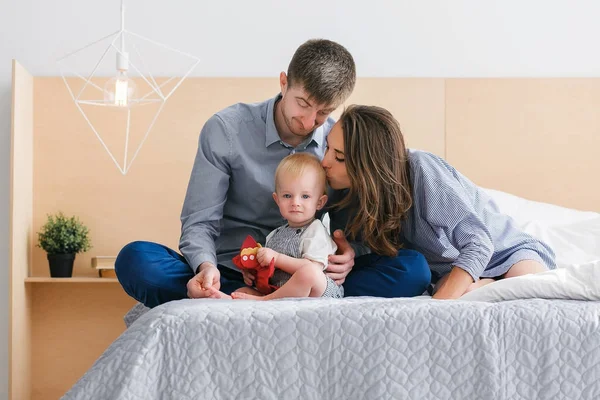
[[249, 277], [265, 255]]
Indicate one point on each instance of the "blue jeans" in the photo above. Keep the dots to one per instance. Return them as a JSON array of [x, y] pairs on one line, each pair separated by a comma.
[[153, 274]]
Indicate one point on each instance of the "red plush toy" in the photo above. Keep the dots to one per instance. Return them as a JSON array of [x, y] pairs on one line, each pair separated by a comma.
[[247, 260]]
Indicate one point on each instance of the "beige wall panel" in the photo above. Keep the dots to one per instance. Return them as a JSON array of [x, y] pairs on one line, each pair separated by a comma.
[[72, 325], [536, 138], [20, 217], [417, 103]]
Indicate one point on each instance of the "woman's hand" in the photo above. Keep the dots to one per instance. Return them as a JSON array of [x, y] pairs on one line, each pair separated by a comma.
[[341, 263], [454, 285]]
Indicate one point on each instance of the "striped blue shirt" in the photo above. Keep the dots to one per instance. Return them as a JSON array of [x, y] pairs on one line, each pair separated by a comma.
[[229, 195], [455, 223]]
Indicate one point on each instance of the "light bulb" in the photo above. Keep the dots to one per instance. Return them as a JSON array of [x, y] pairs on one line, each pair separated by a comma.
[[120, 90]]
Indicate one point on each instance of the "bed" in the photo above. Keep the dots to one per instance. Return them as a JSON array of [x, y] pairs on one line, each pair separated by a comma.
[[532, 337]]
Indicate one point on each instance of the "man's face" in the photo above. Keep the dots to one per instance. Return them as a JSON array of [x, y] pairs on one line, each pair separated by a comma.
[[301, 113]]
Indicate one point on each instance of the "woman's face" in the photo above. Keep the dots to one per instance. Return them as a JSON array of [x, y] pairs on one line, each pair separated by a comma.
[[334, 159]]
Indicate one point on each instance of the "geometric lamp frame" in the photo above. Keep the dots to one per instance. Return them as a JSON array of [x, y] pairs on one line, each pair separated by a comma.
[[154, 96]]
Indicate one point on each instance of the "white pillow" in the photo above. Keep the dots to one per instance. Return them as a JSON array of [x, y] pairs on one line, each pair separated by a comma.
[[574, 282], [574, 235], [524, 211]]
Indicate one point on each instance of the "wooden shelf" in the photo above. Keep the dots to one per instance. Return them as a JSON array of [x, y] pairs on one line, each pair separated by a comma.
[[41, 279]]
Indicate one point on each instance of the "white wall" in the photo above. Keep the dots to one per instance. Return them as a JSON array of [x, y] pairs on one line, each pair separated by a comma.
[[419, 38]]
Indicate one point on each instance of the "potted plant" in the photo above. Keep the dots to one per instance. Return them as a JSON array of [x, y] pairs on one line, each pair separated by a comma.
[[62, 238]]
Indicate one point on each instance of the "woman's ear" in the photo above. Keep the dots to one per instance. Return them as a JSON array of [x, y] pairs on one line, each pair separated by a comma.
[[322, 201]]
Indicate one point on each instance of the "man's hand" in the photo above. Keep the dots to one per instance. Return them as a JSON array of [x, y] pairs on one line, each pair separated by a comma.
[[341, 263], [208, 277], [265, 255]]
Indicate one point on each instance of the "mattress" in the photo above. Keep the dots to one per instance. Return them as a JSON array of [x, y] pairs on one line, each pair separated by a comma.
[[353, 348]]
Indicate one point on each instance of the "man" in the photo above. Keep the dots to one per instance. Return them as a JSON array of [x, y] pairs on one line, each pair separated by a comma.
[[229, 192]]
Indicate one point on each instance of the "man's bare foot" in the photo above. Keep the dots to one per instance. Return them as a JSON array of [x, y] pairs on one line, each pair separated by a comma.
[[217, 294], [245, 296]]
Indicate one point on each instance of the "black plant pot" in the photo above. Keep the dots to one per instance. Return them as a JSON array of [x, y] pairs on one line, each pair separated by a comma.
[[61, 265]]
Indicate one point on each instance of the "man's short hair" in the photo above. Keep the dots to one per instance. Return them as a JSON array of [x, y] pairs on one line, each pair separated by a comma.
[[324, 69]]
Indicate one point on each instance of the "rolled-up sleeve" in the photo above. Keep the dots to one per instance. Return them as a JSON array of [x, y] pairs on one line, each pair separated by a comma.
[[206, 195], [448, 210]]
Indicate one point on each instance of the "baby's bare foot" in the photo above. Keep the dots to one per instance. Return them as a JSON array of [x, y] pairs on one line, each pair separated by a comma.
[[217, 294], [245, 296]]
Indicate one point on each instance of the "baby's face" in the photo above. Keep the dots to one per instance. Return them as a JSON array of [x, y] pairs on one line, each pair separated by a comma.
[[299, 197]]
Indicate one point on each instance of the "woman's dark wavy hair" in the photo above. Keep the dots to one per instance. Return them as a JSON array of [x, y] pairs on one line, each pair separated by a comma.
[[377, 163]]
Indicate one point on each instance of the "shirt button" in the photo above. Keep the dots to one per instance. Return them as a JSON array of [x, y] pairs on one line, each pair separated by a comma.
[[293, 151], [298, 231]]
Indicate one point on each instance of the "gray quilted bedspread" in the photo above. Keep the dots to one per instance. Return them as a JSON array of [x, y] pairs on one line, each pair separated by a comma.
[[354, 348]]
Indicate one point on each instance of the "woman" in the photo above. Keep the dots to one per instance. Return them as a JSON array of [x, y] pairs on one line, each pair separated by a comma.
[[387, 197]]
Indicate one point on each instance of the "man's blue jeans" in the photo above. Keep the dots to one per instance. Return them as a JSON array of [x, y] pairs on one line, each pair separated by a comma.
[[153, 274]]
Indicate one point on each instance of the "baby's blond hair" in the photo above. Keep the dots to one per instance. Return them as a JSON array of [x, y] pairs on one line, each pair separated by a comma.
[[294, 165]]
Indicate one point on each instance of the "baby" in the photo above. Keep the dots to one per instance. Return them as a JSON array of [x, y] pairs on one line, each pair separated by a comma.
[[301, 247]]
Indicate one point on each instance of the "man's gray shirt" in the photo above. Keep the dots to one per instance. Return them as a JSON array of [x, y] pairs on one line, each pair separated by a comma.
[[229, 195]]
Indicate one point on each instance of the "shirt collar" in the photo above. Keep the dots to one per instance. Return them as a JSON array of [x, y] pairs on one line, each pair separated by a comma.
[[272, 136]]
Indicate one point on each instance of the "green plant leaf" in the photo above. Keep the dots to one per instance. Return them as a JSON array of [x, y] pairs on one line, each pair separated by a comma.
[[64, 235]]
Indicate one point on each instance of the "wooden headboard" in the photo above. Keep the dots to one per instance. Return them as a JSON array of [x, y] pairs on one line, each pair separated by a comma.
[[536, 138]]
